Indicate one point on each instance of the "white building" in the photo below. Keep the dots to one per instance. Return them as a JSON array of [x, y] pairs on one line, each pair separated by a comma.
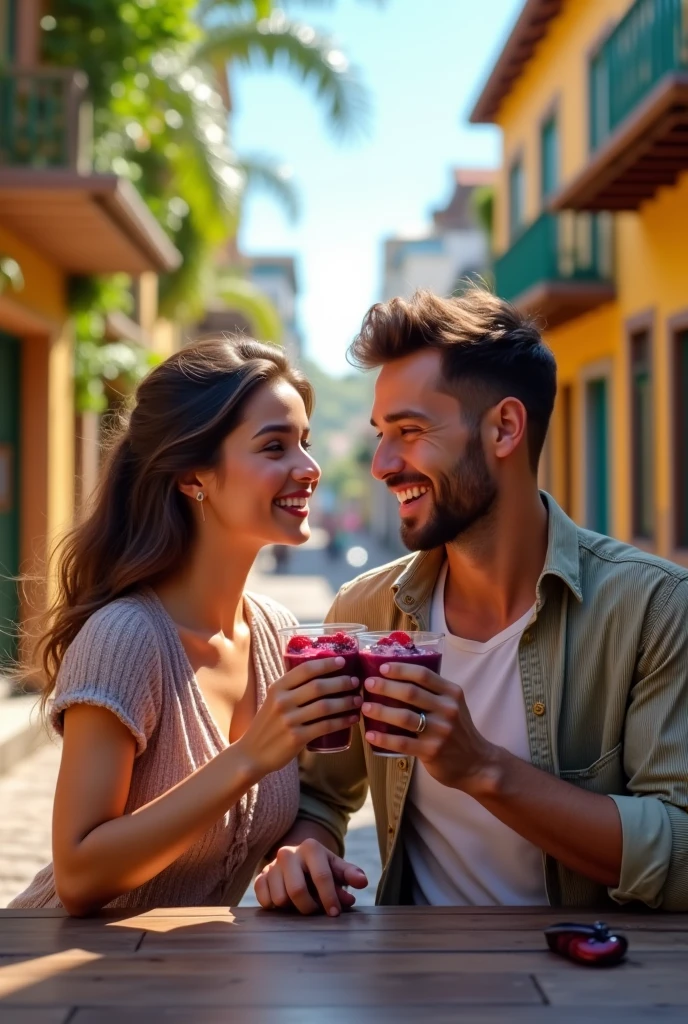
[[454, 247], [276, 277]]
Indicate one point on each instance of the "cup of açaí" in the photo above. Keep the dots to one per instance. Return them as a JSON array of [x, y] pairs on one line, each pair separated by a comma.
[[325, 640], [412, 648]]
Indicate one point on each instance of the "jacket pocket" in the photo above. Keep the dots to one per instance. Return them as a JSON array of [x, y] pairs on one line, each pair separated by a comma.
[[606, 775]]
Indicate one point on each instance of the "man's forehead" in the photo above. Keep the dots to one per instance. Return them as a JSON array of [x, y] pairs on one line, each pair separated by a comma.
[[413, 382]]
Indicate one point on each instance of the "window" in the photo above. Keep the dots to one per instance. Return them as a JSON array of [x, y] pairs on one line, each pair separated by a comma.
[[549, 158], [597, 455], [516, 199], [642, 453], [681, 438], [598, 80], [7, 21]]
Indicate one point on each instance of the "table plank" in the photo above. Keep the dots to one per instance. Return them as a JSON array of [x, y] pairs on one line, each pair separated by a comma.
[[89, 985], [593, 988], [35, 1014], [195, 935], [371, 1015], [34, 936]]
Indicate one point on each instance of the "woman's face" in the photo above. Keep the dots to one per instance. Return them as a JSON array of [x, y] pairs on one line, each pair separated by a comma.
[[265, 478]]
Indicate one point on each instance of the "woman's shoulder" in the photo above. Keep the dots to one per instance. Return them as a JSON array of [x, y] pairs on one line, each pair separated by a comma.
[[276, 614], [124, 618]]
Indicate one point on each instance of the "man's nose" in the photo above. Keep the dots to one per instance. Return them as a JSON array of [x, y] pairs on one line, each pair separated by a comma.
[[386, 462]]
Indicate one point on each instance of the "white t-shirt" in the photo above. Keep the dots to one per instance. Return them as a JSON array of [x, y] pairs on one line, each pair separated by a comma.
[[461, 855]]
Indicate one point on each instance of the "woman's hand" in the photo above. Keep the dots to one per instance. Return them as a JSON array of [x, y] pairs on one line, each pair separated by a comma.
[[287, 721], [309, 878]]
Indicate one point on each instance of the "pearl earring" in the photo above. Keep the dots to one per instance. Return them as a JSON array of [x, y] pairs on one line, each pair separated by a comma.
[[199, 497]]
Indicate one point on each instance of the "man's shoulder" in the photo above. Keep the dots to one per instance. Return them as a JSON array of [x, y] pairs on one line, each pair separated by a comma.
[[622, 560], [374, 583]]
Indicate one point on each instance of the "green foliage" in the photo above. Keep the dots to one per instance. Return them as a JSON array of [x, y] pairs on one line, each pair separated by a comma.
[[116, 366], [483, 204], [238, 293]]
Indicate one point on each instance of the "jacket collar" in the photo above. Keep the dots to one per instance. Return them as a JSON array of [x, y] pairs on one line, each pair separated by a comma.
[[413, 588]]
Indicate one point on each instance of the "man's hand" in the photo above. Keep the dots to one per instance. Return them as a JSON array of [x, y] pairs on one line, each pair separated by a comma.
[[308, 878], [450, 746]]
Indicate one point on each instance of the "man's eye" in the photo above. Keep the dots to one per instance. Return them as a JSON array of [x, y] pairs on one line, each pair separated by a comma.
[[408, 430]]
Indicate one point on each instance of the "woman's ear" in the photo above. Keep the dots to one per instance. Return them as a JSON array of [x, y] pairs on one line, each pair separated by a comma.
[[189, 484]]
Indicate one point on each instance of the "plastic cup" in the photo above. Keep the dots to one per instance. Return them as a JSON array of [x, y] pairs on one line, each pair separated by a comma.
[[426, 650], [332, 742]]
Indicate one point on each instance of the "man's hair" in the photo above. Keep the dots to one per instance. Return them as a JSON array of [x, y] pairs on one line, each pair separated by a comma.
[[489, 352]]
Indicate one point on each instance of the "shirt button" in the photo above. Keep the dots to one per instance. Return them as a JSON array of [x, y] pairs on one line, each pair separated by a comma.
[[538, 708], [527, 638], [390, 830], [402, 764], [408, 599]]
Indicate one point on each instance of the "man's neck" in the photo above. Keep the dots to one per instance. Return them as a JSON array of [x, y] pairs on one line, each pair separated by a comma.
[[493, 570]]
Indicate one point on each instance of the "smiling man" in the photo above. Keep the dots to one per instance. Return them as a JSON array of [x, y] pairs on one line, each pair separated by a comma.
[[550, 757]]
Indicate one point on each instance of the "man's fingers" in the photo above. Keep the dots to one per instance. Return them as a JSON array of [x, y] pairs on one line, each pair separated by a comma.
[[346, 873], [319, 870], [404, 692], [262, 891], [399, 718], [415, 674]]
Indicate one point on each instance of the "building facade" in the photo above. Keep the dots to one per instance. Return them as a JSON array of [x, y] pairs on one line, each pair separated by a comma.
[[591, 211], [57, 218]]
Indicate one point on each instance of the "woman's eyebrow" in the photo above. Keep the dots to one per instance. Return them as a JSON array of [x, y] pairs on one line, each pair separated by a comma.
[[279, 428]]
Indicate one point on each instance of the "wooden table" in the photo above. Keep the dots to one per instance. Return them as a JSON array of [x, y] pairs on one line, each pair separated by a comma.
[[401, 964]]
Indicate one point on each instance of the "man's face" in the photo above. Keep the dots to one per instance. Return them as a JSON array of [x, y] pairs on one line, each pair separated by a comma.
[[429, 454]]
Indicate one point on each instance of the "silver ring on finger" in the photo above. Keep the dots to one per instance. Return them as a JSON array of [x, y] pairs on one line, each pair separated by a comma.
[[422, 722]]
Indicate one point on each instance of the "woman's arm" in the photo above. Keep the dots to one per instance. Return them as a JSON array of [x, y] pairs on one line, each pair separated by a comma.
[[100, 852]]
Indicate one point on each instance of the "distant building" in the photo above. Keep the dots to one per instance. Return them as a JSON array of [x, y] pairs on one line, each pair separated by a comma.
[[276, 277], [455, 247]]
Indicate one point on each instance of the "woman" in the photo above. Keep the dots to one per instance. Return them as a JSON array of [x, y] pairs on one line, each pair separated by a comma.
[[180, 729]]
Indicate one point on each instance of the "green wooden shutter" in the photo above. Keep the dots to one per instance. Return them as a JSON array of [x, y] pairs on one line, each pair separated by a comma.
[[9, 493]]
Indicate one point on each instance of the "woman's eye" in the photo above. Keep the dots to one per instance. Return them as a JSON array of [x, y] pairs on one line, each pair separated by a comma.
[[274, 447]]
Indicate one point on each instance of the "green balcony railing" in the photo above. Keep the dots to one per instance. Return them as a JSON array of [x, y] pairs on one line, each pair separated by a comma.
[[45, 119], [557, 247], [649, 41]]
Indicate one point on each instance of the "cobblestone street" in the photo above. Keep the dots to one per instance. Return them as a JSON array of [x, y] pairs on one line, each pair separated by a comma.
[[26, 791]]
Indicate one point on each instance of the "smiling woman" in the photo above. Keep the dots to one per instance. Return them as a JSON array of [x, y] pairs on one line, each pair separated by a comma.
[[180, 727]]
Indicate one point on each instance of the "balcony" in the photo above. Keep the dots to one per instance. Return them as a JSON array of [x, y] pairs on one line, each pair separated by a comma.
[[84, 223], [560, 267], [638, 86], [45, 119]]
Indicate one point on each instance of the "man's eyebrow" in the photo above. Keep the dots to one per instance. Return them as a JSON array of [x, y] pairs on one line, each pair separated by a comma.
[[403, 414], [277, 428]]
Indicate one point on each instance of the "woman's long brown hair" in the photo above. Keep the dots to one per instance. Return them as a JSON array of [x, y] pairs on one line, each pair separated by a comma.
[[140, 526]]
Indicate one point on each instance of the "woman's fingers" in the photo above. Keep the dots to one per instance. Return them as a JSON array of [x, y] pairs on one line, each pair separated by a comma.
[[308, 670], [317, 689], [340, 706]]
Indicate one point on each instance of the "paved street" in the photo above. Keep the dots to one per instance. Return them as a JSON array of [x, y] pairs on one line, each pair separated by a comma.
[[26, 791]]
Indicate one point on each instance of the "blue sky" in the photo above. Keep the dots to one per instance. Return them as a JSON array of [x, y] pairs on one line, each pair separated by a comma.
[[423, 62]]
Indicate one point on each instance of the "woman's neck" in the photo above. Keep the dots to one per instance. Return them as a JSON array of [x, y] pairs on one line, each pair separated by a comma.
[[206, 595]]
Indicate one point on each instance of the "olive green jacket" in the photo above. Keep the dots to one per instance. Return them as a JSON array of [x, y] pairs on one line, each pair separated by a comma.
[[604, 669]]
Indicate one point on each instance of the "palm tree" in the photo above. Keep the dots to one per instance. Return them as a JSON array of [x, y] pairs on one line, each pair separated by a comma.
[[255, 33]]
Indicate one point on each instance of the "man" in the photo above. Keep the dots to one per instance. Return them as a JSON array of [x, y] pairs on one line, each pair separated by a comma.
[[550, 758]]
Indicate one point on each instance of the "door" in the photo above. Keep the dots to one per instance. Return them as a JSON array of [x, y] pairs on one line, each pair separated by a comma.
[[9, 494], [597, 455]]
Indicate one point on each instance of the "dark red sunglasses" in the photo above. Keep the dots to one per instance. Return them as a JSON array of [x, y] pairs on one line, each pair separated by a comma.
[[591, 944]]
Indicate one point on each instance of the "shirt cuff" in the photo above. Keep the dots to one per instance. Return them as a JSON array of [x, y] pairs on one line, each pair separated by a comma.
[[312, 809], [646, 854]]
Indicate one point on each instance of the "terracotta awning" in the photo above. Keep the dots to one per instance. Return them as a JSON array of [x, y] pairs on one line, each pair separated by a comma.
[[530, 28], [86, 224]]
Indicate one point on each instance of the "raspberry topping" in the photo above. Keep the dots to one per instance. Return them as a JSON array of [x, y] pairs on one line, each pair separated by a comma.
[[399, 637], [298, 643]]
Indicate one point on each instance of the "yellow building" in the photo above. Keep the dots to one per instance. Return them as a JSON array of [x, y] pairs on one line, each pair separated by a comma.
[[591, 221], [57, 218]]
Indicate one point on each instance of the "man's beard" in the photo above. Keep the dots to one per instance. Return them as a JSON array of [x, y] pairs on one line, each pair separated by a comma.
[[466, 495]]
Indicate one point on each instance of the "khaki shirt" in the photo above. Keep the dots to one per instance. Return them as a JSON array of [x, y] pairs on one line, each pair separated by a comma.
[[604, 669]]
